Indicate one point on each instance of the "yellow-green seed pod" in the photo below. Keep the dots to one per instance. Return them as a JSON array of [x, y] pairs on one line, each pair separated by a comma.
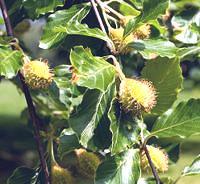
[[143, 32], [37, 74], [137, 95], [60, 175], [116, 36], [87, 163], [159, 158]]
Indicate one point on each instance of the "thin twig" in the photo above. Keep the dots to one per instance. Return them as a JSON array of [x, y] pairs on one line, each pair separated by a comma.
[[112, 49], [29, 100], [153, 169]]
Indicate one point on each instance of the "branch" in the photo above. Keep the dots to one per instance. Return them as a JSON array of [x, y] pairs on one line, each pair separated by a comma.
[[31, 108], [101, 23], [144, 145], [153, 169]]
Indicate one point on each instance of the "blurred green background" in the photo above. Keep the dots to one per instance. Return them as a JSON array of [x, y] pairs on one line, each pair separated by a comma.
[[17, 144]]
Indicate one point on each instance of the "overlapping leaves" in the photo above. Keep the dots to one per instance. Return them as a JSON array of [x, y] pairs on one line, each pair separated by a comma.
[[51, 36], [151, 10], [68, 22]]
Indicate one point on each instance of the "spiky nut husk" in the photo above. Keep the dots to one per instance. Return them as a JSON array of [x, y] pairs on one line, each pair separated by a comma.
[[37, 74], [143, 32], [60, 175], [137, 95], [87, 163], [159, 158], [116, 36]]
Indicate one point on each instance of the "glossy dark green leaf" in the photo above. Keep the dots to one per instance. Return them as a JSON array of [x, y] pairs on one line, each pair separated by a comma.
[[52, 36], [151, 48], [120, 169], [183, 121], [10, 62], [166, 76], [68, 142], [91, 72], [91, 112], [76, 28], [151, 10], [124, 129]]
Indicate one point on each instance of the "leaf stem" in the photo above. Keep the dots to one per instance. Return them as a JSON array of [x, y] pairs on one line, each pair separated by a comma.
[[31, 108]]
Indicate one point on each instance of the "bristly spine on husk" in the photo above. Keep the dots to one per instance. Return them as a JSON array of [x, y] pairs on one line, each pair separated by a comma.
[[137, 95]]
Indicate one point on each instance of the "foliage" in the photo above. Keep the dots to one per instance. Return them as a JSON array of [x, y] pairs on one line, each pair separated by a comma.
[[81, 106]]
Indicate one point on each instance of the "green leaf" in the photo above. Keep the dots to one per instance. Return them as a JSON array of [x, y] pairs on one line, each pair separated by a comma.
[[63, 92], [127, 9], [124, 129], [183, 121], [68, 142], [166, 76], [10, 62], [91, 112], [92, 72], [52, 36], [151, 10], [77, 28], [120, 169], [40, 7], [186, 52], [154, 48], [23, 175], [193, 169]]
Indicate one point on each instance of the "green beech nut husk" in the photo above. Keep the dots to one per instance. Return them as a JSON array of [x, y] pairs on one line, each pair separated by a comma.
[[37, 74], [87, 163], [60, 175], [137, 95]]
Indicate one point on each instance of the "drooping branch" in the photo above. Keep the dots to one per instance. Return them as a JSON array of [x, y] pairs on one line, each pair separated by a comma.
[[31, 108], [144, 145]]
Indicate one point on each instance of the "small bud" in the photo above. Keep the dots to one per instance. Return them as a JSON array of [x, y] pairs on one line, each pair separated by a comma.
[[116, 36], [60, 175], [87, 163], [37, 74], [137, 95], [159, 158]]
